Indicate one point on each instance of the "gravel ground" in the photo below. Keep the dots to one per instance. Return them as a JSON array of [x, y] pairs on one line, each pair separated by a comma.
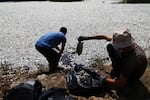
[[22, 23]]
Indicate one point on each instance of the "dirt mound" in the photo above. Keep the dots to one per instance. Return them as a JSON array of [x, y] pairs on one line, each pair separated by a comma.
[[138, 91]]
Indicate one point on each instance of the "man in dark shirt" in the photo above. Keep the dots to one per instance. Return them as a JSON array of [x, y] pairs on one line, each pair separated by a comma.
[[128, 59], [47, 45]]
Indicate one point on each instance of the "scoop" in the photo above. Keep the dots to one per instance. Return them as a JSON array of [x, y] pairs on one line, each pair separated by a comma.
[[79, 47]]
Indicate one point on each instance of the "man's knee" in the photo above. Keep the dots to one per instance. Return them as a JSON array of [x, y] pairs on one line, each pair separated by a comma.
[[110, 47], [111, 50]]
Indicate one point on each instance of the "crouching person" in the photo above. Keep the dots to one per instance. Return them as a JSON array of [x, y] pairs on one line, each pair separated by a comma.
[[47, 45], [128, 59]]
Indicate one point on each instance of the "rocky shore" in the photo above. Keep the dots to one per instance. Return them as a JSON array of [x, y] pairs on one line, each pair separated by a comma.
[[22, 23]]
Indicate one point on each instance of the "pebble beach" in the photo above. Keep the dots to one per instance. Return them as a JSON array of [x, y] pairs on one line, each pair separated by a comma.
[[22, 23]]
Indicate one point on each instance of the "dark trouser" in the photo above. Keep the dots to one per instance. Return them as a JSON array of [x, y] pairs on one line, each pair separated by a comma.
[[116, 60], [51, 56]]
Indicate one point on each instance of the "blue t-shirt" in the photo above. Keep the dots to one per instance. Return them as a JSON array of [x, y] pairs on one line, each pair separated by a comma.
[[51, 40]]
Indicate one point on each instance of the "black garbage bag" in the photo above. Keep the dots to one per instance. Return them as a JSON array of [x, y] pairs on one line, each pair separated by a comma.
[[56, 94], [29, 90], [82, 81]]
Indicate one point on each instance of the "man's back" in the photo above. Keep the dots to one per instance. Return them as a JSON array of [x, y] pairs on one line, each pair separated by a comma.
[[51, 39], [134, 64]]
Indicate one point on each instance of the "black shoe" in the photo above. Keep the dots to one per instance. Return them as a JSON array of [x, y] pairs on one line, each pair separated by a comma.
[[59, 68], [51, 71], [54, 70]]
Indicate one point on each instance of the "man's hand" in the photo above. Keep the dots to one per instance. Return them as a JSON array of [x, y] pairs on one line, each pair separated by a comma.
[[81, 38], [58, 48]]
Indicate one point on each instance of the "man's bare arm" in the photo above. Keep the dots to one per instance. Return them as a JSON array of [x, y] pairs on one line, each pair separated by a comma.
[[62, 48], [98, 37], [120, 82]]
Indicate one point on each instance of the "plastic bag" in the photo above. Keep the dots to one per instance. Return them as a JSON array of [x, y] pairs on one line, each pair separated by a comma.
[[82, 81], [29, 90]]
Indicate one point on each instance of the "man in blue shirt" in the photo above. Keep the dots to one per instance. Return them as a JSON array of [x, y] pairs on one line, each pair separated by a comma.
[[47, 45]]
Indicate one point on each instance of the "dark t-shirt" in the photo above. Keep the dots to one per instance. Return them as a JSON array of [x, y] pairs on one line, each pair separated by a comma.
[[134, 64]]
